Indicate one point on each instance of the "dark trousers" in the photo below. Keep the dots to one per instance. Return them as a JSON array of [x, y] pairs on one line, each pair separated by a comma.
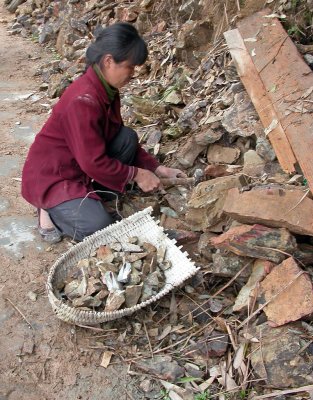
[[80, 217]]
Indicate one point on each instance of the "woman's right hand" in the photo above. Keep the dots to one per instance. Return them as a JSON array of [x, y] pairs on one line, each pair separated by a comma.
[[147, 180]]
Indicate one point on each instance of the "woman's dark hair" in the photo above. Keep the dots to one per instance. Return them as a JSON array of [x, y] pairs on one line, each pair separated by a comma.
[[122, 41]]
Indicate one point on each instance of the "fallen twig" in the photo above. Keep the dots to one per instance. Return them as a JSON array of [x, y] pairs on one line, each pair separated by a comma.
[[302, 198], [308, 388], [149, 342], [222, 289], [20, 312]]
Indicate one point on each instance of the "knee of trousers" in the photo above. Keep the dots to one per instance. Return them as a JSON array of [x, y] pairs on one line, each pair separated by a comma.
[[130, 137], [92, 225]]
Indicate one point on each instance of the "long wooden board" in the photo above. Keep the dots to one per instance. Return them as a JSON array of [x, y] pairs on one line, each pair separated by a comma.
[[256, 90], [287, 81]]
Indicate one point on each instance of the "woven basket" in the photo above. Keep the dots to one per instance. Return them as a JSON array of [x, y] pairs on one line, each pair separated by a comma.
[[146, 229]]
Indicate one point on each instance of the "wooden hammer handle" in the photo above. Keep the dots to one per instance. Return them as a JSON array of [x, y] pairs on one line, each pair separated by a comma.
[[166, 182]]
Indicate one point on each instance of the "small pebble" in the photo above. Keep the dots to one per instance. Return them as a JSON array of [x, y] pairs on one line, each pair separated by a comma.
[[32, 296]]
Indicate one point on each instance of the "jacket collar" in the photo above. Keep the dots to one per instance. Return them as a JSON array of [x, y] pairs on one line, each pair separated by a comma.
[[93, 78]]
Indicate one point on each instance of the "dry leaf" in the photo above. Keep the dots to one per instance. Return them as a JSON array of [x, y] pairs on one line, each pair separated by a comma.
[[239, 357], [167, 330], [271, 127], [106, 358]]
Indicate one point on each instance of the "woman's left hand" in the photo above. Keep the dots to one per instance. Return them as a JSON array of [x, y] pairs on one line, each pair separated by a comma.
[[166, 172]]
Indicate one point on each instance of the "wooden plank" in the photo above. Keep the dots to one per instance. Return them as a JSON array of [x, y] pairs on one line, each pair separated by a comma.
[[288, 82], [256, 90]]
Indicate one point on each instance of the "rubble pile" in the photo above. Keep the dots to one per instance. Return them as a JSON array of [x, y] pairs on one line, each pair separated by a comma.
[[246, 318]]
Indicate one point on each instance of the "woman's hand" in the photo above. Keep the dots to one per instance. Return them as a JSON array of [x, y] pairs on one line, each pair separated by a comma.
[[166, 172], [147, 180]]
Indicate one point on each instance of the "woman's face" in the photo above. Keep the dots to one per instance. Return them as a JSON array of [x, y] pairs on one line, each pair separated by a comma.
[[117, 74]]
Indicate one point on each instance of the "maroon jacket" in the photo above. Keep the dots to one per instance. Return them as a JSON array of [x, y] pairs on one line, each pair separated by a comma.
[[70, 150]]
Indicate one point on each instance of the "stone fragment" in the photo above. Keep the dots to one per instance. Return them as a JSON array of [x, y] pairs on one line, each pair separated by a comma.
[[126, 14], [86, 301], [115, 300], [228, 265], [205, 207], [204, 247], [132, 294], [253, 164], [57, 84], [279, 359], [188, 153], [241, 118], [264, 149], [216, 345], [177, 201], [191, 36], [260, 269], [218, 170], [222, 154], [188, 118], [163, 367], [257, 241], [183, 237], [105, 254], [293, 303], [272, 206]]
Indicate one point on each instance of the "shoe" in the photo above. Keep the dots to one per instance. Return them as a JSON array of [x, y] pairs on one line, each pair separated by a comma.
[[51, 235]]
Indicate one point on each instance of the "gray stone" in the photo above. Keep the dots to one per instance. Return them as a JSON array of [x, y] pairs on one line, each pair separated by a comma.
[[188, 118], [264, 149], [79, 25], [46, 34], [309, 59], [228, 265], [58, 83], [241, 118], [217, 344], [253, 164], [204, 247], [163, 367], [279, 359], [218, 154], [132, 294]]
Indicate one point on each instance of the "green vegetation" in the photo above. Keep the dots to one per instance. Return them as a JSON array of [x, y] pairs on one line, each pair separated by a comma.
[[203, 396]]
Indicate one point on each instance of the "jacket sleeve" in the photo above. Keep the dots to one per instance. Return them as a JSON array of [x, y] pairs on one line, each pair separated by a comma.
[[83, 134], [145, 160]]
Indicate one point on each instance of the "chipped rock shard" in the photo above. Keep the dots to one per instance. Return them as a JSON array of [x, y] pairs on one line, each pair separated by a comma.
[[260, 269], [163, 367], [207, 201], [197, 143], [104, 253], [241, 118], [115, 300], [257, 241], [253, 164], [279, 360], [228, 265], [272, 206], [132, 294], [293, 303], [222, 154], [216, 345]]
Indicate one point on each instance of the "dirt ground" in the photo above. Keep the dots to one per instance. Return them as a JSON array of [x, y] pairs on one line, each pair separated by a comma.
[[50, 359]]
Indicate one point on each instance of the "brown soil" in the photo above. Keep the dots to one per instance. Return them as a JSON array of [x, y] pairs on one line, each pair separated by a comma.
[[52, 359]]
